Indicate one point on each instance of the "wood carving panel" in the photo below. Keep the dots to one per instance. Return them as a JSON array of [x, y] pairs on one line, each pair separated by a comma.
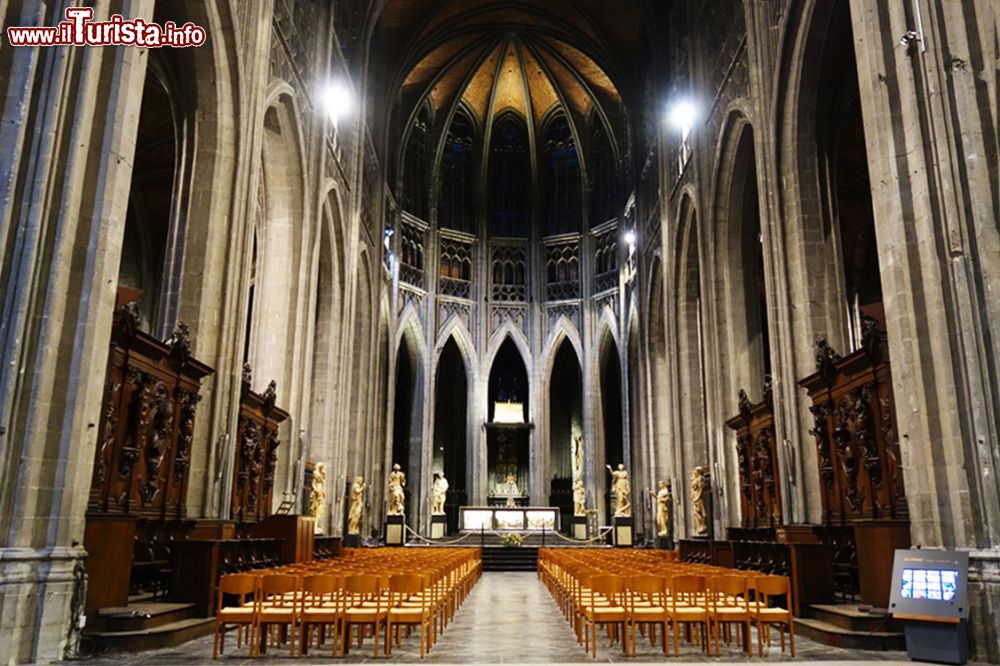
[[757, 461]]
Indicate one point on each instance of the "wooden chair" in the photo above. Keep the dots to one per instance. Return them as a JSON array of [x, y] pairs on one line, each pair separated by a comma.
[[645, 596], [687, 606], [322, 607], [605, 605], [401, 589], [764, 613], [366, 605], [242, 615], [729, 604], [277, 606]]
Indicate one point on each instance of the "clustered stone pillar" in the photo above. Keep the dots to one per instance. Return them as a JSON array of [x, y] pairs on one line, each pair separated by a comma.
[[66, 148]]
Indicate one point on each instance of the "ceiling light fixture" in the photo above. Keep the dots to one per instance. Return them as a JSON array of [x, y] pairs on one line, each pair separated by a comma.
[[337, 100], [683, 115]]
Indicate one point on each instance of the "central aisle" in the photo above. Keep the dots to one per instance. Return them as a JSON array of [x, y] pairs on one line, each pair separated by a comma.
[[509, 618]]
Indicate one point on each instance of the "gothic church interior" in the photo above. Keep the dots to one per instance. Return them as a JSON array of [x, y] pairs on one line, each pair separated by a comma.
[[713, 282]]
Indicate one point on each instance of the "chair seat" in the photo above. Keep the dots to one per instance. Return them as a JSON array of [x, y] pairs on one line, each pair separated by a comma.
[[731, 610], [274, 613], [647, 610], [690, 610], [236, 614], [772, 613], [408, 612]]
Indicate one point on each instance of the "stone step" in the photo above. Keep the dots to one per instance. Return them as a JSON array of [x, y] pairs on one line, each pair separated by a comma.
[[140, 616], [163, 636], [834, 636], [853, 618]]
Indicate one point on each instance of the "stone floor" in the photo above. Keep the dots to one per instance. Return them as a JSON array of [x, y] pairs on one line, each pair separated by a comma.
[[508, 619]]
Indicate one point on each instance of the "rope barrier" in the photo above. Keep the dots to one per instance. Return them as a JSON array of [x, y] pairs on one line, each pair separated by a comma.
[[437, 542], [600, 536]]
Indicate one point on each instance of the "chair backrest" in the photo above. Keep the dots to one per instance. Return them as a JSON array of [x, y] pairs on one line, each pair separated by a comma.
[[402, 586], [773, 586], [362, 584], [319, 588], [647, 584], [610, 587], [686, 588], [729, 590], [279, 589], [238, 585]]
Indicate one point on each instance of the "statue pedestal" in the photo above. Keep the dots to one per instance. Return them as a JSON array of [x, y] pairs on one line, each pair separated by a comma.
[[665, 542], [622, 532], [439, 527], [580, 527], [395, 532], [352, 541]]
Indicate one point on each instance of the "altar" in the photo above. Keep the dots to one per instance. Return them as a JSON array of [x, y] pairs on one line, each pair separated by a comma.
[[524, 519]]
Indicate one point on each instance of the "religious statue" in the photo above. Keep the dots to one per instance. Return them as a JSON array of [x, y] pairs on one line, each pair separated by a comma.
[[439, 490], [578, 453], [317, 495], [579, 498], [397, 498], [510, 489], [698, 501], [621, 488], [357, 505], [663, 501]]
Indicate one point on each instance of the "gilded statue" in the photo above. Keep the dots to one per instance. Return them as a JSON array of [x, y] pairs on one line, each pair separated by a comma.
[[579, 498], [357, 506], [698, 501], [663, 501], [621, 488], [317, 495], [439, 491], [397, 498], [510, 489]]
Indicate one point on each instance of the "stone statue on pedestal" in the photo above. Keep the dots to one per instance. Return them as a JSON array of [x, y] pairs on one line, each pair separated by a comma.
[[397, 498], [698, 501], [357, 506], [317, 495], [663, 501], [439, 491], [621, 488], [579, 498]]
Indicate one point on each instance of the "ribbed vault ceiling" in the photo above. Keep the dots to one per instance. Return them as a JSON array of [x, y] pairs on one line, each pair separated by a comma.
[[496, 56]]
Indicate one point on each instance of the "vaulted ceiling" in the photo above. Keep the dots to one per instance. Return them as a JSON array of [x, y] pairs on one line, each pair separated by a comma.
[[494, 56]]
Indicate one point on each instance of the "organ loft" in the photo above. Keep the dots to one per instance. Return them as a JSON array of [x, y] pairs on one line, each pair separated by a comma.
[[349, 314]]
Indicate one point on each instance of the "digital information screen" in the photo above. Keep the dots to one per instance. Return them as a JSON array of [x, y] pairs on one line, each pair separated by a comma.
[[937, 584], [929, 583]]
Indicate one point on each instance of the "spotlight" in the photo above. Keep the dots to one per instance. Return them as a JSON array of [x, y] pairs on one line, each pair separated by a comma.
[[630, 238], [337, 100], [910, 38], [683, 115]]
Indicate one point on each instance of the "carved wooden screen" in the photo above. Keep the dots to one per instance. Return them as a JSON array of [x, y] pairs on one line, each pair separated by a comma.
[[147, 422], [854, 432], [256, 452], [757, 456]]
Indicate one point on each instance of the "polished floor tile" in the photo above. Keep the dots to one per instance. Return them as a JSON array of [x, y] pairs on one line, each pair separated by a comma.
[[508, 619]]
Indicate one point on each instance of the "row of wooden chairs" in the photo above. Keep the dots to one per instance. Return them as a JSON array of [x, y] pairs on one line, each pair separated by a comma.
[[650, 591], [370, 591]]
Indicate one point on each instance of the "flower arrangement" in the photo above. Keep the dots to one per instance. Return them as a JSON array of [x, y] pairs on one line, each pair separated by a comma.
[[512, 540]]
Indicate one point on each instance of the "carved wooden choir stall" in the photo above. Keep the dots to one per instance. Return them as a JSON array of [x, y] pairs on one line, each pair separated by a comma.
[[138, 536], [142, 459], [864, 502]]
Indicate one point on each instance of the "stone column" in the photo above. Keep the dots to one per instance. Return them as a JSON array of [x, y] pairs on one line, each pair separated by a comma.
[[930, 112], [68, 139]]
